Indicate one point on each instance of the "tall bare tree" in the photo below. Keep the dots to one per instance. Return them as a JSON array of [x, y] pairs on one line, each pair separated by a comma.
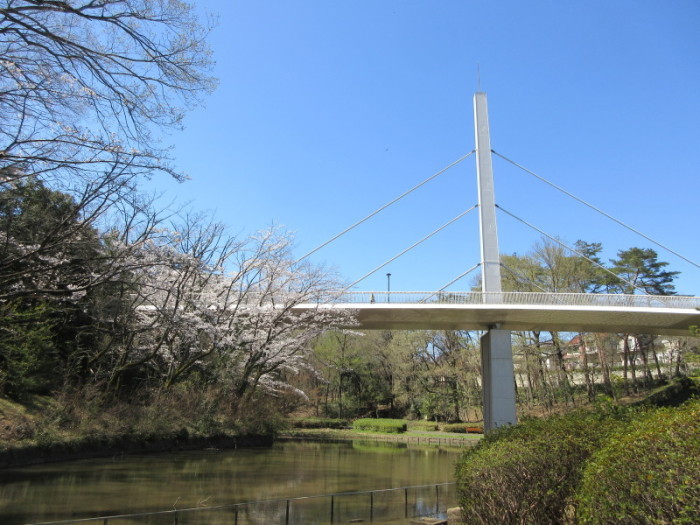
[[83, 83]]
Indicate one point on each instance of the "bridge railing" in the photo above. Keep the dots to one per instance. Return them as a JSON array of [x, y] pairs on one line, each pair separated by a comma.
[[516, 298], [330, 297]]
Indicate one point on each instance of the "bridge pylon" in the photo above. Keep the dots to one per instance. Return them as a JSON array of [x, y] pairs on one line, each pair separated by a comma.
[[497, 375]]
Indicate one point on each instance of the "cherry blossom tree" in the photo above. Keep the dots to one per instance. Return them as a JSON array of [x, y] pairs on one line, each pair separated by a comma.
[[214, 305], [85, 85]]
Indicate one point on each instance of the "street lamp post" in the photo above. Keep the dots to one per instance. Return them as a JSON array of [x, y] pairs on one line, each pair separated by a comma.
[[388, 287]]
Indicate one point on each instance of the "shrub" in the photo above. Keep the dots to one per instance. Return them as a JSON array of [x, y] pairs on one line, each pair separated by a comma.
[[423, 426], [319, 422], [646, 473], [528, 473], [674, 394], [389, 426], [455, 428]]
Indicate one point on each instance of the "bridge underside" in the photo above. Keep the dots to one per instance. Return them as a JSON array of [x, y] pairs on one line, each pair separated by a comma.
[[642, 320]]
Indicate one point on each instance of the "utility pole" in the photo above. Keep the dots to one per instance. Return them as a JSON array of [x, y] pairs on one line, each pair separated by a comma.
[[498, 379]]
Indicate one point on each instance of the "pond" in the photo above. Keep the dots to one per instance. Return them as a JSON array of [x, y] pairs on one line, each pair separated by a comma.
[[211, 478]]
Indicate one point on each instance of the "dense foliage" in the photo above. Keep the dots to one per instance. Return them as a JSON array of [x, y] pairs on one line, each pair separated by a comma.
[[319, 422], [389, 426], [661, 484], [423, 426], [610, 465], [529, 473], [122, 319]]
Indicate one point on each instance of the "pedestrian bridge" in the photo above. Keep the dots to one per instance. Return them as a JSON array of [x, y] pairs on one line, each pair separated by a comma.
[[498, 313], [517, 311]]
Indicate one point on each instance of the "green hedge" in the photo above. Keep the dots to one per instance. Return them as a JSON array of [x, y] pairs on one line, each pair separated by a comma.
[[423, 426], [648, 473], [319, 422], [390, 426], [454, 428], [462, 428], [528, 473], [622, 466], [675, 393]]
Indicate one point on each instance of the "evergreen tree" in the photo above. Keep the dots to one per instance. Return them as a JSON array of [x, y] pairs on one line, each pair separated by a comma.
[[639, 269], [49, 259]]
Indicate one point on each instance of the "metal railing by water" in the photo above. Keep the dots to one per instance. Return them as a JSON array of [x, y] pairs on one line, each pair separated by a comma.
[[374, 506]]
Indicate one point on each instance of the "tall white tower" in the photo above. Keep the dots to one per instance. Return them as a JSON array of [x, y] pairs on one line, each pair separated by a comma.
[[498, 379]]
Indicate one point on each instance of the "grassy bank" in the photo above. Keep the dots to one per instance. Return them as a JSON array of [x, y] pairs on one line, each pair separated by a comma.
[[410, 436], [42, 429]]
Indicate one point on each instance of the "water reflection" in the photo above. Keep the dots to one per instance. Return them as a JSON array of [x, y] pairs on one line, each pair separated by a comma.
[[130, 484]]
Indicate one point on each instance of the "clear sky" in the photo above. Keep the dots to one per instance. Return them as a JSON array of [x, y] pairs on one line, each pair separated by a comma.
[[326, 110]]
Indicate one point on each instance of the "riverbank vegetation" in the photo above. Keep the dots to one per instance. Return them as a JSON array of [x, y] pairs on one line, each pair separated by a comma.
[[317, 428], [120, 318], [180, 325], [577, 468], [413, 437], [50, 428]]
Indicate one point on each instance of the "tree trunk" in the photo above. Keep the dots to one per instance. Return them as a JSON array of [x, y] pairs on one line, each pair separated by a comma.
[[629, 364], [659, 372], [340, 396], [642, 349], [604, 366], [678, 363], [625, 361], [528, 375], [528, 391], [544, 387], [563, 377], [633, 365], [586, 373], [325, 401]]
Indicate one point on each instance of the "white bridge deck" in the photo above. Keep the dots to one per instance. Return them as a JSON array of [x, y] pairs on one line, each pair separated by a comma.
[[519, 311]]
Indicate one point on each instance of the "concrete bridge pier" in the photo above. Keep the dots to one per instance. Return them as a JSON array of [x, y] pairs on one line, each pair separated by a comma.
[[497, 379]]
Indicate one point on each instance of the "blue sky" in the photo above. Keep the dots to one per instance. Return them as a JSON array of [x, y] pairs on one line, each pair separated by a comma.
[[326, 110]]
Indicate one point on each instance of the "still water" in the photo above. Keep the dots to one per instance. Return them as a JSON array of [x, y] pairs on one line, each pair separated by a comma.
[[132, 484]]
